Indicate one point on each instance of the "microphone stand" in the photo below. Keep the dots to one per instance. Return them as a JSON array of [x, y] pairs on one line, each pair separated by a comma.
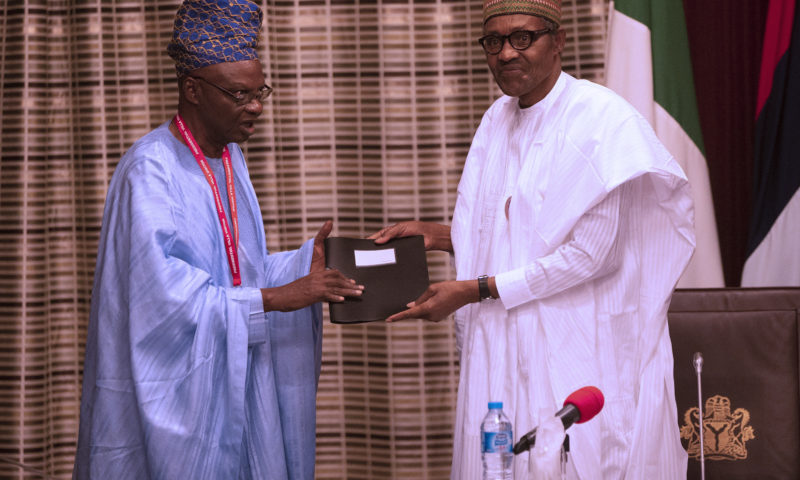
[[564, 457], [698, 368]]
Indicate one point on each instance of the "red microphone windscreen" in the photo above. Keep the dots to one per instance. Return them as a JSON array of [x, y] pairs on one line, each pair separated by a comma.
[[588, 400]]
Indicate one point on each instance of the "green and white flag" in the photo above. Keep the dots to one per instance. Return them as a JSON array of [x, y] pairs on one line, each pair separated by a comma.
[[648, 63]]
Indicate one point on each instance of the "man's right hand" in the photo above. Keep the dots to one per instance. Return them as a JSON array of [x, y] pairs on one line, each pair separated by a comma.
[[320, 286], [437, 236]]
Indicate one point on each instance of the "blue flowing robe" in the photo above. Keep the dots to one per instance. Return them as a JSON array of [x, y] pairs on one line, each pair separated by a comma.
[[185, 376]]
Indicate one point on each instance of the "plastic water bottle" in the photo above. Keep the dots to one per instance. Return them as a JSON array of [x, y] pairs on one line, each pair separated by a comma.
[[497, 441]]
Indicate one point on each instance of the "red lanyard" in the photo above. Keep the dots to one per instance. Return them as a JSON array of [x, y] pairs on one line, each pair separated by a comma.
[[231, 241]]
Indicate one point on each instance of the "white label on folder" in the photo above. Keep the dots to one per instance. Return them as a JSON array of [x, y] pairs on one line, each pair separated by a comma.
[[371, 258]]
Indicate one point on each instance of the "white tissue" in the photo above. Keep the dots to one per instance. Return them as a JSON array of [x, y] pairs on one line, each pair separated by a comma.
[[545, 458]]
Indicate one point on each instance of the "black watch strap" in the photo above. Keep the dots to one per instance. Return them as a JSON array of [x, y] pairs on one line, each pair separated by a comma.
[[483, 287]]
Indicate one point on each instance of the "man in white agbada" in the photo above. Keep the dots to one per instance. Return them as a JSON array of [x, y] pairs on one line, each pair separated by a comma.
[[571, 228]]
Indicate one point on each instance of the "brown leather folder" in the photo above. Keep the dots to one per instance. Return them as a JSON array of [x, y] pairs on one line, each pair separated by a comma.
[[393, 274]]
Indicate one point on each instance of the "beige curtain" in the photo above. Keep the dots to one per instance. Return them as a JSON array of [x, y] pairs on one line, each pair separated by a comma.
[[374, 109]]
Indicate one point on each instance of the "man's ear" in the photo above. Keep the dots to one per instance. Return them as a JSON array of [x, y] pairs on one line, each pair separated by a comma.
[[561, 39], [189, 89]]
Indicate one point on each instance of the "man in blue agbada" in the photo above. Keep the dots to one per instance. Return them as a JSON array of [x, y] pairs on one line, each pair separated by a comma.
[[203, 351]]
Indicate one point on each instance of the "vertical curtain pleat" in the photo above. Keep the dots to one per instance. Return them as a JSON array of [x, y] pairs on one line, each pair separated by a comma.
[[374, 109]]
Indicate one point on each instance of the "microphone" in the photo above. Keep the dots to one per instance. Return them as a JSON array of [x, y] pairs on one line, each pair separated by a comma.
[[697, 361], [580, 406]]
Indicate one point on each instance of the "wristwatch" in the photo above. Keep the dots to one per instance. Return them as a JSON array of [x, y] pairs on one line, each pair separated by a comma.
[[483, 287]]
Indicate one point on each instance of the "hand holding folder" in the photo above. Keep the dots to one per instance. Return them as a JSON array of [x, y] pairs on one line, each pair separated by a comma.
[[393, 274]]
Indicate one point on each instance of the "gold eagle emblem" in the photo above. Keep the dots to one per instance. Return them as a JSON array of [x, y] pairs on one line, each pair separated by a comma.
[[724, 433]]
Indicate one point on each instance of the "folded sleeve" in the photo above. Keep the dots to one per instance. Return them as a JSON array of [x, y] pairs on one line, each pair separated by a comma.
[[591, 251]]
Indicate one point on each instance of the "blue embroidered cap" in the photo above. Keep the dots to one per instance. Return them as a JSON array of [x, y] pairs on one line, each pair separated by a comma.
[[208, 32]]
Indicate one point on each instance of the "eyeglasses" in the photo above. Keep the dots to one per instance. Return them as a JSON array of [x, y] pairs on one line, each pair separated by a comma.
[[519, 40], [242, 97]]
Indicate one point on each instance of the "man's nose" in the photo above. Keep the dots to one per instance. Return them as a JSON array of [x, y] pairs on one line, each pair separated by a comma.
[[507, 52], [255, 106]]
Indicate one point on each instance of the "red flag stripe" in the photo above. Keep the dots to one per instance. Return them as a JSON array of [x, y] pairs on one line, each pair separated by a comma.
[[777, 34]]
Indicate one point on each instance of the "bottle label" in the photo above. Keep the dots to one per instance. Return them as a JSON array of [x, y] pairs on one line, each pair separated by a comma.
[[497, 442]]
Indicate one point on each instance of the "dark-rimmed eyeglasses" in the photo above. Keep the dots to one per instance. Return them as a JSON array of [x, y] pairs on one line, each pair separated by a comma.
[[242, 97], [519, 40]]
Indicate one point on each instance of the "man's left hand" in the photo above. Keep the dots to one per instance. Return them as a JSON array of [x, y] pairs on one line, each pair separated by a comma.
[[439, 301]]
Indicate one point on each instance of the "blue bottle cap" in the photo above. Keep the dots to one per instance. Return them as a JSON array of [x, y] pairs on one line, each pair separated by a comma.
[[495, 405]]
